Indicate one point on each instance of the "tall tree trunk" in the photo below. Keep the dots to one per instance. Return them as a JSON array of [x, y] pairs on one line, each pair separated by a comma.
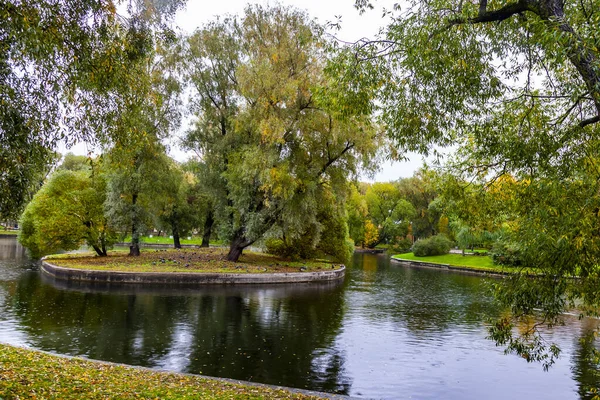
[[134, 248], [208, 224], [237, 246], [176, 241]]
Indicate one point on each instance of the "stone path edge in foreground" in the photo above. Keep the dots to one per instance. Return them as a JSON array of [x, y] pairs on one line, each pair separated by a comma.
[[187, 278]]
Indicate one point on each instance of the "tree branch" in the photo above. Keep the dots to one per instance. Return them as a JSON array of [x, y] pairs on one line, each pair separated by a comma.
[[492, 16]]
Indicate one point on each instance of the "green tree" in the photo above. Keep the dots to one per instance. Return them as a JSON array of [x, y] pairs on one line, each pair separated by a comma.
[[358, 212], [535, 114], [62, 67], [67, 212], [327, 235], [389, 212], [420, 190], [135, 179], [72, 162], [266, 124], [202, 196], [179, 206], [138, 164]]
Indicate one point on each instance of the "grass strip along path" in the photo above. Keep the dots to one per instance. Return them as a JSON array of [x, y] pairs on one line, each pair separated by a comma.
[[206, 260], [26, 374]]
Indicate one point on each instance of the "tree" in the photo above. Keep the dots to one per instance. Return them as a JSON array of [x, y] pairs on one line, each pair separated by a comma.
[[179, 206], [62, 67], [358, 211], [266, 125], [72, 162], [389, 212], [326, 236], [420, 190], [517, 85], [135, 179], [444, 56], [137, 160], [67, 212], [202, 197]]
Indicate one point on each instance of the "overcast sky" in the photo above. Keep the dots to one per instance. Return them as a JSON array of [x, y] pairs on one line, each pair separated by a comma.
[[353, 27]]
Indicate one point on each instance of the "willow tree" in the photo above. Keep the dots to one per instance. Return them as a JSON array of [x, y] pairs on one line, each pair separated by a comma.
[[137, 159], [62, 66], [516, 84], [68, 211], [266, 124]]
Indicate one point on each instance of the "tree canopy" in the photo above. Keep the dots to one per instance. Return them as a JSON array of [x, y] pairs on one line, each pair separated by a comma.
[[63, 65], [68, 212], [516, 85], [265, 125]]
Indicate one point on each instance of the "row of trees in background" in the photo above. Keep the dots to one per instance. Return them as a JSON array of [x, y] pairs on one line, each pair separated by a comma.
[[394, 213]]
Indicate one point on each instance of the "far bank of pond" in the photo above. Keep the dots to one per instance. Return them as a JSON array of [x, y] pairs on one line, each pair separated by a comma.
[[467, 263], [384, 331]]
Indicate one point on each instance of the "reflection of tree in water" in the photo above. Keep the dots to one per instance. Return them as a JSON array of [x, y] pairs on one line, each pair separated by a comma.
[[279, 335], [11, 250], [585, 360], [424, 300]]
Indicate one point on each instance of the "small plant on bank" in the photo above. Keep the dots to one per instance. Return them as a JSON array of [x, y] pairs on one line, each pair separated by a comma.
[[432, 246], [508, 254]]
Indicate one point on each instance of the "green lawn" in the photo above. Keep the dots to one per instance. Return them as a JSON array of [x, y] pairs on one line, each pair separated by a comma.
[[27, 374], [458, 260], [8, 232]]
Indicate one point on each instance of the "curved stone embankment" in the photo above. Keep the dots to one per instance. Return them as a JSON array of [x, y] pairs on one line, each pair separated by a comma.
[[187, 278], [447, 267], [369, 251]]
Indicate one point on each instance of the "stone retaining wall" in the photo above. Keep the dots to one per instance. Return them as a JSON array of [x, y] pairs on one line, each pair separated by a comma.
[[187, 278], [447, 267]]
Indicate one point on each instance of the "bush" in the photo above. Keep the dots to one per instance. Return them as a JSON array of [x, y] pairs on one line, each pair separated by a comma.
[[433, 246], [507, 254], [400, 246]]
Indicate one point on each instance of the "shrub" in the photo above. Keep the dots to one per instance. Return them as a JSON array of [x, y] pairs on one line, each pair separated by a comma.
[[507, 254], [400, 246], [433, 246]]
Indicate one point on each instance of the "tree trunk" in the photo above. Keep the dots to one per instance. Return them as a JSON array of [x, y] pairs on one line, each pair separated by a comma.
[[176, 241], [134, 248], [238, 244], [100, 252], [208, 224], [235, 251]]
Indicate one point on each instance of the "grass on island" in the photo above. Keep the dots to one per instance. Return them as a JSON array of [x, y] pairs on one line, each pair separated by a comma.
[[26, 374], [208, 260], [194, 240], [458, 260], [9, 232]]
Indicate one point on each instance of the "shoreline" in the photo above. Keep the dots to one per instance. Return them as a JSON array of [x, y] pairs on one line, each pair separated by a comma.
[[187, 278], [450, 268]]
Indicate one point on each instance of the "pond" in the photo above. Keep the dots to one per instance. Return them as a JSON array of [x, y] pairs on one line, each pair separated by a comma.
[[386, 331]]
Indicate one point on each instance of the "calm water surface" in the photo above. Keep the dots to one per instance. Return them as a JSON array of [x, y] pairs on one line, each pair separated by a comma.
[[385, 332]]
